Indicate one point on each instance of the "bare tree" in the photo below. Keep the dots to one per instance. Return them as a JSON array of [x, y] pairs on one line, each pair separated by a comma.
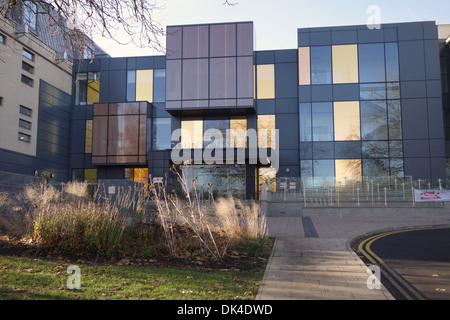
[[68, 25]]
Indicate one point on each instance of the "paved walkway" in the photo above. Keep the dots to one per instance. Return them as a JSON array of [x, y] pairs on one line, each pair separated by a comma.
[[312, 258]]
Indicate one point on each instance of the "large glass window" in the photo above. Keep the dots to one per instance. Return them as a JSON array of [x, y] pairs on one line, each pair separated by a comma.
[[217, 124], [346, 121], [131, 85], [322, 121], [372, 91], [305, 122], [144, 85], [265, 81], [323, 170], [266, 131], [345, 64], [162, 130], [348, 170], [192, 133], [371, 62], [238, 132], [374, 120], [30, 14], [87, 89], [159, 85], [394, 119], [392, 71], [375, 168], [320, 65]]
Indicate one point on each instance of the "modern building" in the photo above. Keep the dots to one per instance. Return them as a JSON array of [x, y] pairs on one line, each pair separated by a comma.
[[35, 97], [347, 103]]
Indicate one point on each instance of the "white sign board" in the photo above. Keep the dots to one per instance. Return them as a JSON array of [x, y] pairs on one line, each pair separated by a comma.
[[157, 180], [431, 195], [111, 189]]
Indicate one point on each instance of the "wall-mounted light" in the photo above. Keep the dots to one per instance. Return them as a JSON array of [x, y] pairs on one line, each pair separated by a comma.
[[35, 172], [288, 170], [51, 175]]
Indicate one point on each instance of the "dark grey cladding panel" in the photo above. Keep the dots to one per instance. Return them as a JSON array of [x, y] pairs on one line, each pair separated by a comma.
[[323, 150], [118, 64], [419, 168], [320, 38], [344, 37], [287, 124], [282, 56], [303, 38], [411, 59], [286, 80], [288, 105], [437, 148], [414, 118], [346, 92], [117, 85], [347, 149], [438, 168], [416, 148], [321, 93], [371, 35], [410, 31], [288, 157], [432, 60], [413, 89], [435, 120], [304, 94]]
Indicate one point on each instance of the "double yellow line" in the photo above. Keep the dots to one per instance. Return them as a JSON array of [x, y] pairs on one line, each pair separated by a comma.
[[398, 282]]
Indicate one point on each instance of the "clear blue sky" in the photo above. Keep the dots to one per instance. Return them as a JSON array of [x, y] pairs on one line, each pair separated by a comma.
[[276, 22]]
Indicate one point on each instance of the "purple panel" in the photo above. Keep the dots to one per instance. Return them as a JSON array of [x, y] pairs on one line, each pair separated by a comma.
[[195, 79], [245, 77], [222, 40], [195, 42], [173, 80], [173, 43], [245, 39], [222, 78]]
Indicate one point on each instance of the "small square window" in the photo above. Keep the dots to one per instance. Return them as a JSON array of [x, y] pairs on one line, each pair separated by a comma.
[[28, 68], [2, 39], [27, 54], [24, 137], [24, 124], [1, 101], [27, 81], [25, 111]]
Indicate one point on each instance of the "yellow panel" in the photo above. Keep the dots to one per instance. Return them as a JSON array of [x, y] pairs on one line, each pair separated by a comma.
[[348, 170], [194, 129], [304, 66], [345, 64], [265, 84], [93, 89], [144, 85], [347, 121], [266, 131], [88, 137]]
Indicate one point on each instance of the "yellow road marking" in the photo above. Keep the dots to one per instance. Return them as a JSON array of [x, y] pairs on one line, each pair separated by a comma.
[[369, 254]]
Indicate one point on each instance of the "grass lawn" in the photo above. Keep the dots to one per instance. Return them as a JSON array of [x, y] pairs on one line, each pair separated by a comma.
[[29, 278]]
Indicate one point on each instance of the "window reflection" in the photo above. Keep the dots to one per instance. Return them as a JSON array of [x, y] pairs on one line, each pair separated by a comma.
[[159, 85], [392, 71], [323, 171], [321, 65], [375, 149], [218, 124], [375, 168], [266, 131], [345, 64], [322, 121], [374, 120], [161, 133], [373, 91], [238, 132], [87, 90], [346, 121], [268, 177], [348, 170], [394, 119], [305, 122], [371, 62]]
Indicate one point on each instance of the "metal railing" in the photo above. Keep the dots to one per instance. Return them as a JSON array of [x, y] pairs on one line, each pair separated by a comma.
[[369, 192]]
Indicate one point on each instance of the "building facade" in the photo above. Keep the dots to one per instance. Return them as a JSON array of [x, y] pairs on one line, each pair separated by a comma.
[[348, 103]]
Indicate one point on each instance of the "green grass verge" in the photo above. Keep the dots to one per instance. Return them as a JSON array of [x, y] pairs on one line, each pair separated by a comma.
[[24, 278]]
